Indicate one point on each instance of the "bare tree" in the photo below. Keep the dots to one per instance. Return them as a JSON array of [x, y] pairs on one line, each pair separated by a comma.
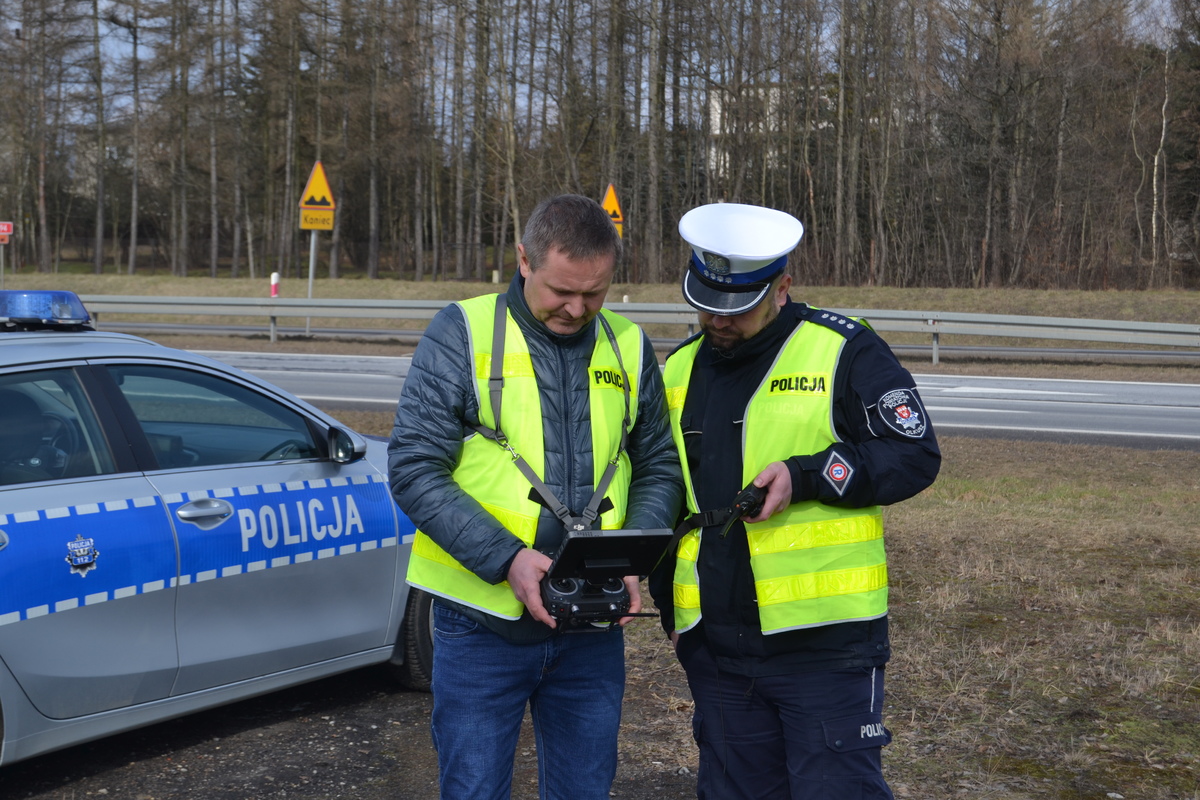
[[132, 24], [922, 142], [214, 68], [479, 128], [654, 130], [97, 80], [1158, 209]]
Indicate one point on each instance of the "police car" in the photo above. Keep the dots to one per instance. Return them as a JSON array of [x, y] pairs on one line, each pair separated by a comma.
[[176, 534]]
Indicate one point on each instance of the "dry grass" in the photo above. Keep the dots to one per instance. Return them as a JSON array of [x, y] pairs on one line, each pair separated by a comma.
[[1149, 306], [1046, 612]]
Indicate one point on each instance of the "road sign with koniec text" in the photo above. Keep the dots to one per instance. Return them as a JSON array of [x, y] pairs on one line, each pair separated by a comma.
[[316, 202]]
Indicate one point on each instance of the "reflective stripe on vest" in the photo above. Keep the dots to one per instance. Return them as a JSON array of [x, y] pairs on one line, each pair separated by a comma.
[[813, 564], [686, 582], [487, 472]]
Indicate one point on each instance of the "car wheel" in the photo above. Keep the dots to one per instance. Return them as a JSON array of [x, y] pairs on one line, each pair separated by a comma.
[[416, 643]]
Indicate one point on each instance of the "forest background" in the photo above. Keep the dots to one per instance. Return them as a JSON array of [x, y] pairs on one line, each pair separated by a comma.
[[924, 143]]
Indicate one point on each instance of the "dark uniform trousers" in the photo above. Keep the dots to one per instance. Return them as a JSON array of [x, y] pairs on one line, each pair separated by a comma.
[[802, 736]]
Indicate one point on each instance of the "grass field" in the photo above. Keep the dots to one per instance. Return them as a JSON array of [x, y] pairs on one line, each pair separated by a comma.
[[1045, 598], [1151, 306]]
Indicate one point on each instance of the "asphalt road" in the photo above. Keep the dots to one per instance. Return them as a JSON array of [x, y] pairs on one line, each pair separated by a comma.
[[1155, 415]]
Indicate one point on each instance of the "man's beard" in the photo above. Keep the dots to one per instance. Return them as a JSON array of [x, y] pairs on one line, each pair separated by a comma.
[[725, 343], [723, 347]]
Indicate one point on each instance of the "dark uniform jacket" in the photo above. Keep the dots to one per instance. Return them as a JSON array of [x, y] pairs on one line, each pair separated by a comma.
[[437, 406], [888, 464]]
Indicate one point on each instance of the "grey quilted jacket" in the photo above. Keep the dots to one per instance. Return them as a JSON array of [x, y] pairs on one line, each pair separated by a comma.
[[433, 418]]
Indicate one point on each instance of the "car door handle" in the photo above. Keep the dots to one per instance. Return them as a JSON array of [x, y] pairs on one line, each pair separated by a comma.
[[205, 513]]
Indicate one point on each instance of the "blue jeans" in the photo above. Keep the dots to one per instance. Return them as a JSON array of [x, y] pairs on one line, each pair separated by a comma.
[[806, 736], [573, 684]]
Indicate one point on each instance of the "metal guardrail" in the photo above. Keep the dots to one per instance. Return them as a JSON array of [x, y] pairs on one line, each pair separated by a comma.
[[938, 323], [934, 324]]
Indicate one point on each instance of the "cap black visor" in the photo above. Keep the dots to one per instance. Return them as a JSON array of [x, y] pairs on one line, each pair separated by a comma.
[[721, 299]]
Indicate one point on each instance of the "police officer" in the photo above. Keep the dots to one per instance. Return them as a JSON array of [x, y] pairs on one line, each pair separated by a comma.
[[779, 615], [517, 404]]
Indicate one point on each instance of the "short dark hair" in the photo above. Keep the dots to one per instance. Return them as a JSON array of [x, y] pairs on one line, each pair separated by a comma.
[[574, 224]]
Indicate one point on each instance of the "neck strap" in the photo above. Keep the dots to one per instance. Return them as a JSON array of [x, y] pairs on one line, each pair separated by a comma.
[[571, 521]]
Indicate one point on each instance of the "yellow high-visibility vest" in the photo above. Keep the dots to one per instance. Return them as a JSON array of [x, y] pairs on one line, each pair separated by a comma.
[[813, 564], [487, 471]]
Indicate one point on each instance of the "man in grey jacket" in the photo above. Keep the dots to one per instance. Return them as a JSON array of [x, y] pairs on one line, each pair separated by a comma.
[[578, 404]]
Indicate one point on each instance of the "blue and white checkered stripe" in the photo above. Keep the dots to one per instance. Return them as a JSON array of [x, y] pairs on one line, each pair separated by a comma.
[[227, 550], [137, 525], [37, 579], [208, 556]]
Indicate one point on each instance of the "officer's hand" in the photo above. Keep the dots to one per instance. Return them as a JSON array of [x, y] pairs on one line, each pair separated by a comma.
[[635, 599], [525, 577], [778, 482]]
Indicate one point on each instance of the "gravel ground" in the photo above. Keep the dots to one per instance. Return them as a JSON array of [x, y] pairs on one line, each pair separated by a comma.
[[355, 736]]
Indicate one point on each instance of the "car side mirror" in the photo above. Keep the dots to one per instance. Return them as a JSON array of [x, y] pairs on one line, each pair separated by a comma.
[[346, 447]]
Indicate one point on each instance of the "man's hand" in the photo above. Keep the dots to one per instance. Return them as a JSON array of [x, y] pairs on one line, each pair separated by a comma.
[[635, 599], [778, 482], [525, 575]]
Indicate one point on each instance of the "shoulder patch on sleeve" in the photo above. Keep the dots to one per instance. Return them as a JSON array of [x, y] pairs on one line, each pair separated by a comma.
[[901, 410], [837, 472]]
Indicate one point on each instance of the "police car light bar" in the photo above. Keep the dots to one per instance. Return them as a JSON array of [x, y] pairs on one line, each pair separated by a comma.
[[52, 308]]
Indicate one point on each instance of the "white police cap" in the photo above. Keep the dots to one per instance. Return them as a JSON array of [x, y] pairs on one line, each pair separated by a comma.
[[736, 252]]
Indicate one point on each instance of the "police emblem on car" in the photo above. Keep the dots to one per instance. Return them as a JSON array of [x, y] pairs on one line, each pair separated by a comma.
[[901, 411], [82, 555]]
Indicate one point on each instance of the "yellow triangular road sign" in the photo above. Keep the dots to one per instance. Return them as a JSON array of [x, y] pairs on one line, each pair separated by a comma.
[[611, 205], [317, 195]]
